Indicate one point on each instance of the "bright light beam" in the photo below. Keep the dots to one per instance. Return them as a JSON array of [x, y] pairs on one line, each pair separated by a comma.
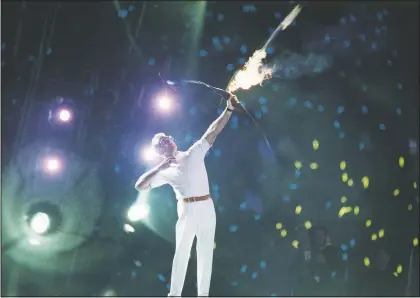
[[164, 103], [148, 154], [52, 165], [40, 223], [138, 211], [64, 115]]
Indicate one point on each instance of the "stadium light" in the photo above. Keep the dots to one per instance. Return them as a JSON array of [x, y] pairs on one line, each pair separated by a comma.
[[40, 223], [64, 115], [52, 165], [138, 212]]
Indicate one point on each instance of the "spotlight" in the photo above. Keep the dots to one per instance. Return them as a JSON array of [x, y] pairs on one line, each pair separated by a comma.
[[138, 212], [43, 218], [64, 115], [40, 223], [164, 103], [52, 165]]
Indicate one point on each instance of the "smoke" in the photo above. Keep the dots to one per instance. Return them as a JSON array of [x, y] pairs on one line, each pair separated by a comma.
[[293, 65]]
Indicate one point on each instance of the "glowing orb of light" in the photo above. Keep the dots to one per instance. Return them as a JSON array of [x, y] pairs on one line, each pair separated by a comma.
[[52, 165], [148, 154], [64, 115], [40, 223], [138, 212], [164, 102]]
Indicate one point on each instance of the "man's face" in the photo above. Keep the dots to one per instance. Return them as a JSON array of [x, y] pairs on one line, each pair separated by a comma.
[[166, 146]]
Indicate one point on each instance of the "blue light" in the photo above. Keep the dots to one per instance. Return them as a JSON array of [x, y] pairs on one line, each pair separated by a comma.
[[152, 62], [333, 274], [203, 53], [352, 242], [262, 264], [241, 61], [229, 67], [244, 268], [382, 126], [337, 124], [233, 229], [364, 110], [123, 13], [297, 173], [292, 186], [345, 256], [286, 198], [321, 108], [254, 275], [257, 217], [262, 100], [307, 104], [219, 111], [361, 146], [327, 205], [133, 274], [161, 277], [258, 114], [243, 49], [220, 17], [341, 135], [264, 109], [344, 247], [269, 50], [243, 205], [217, 153], [117, 169], [292, 101], [215, 187], [340, 109]]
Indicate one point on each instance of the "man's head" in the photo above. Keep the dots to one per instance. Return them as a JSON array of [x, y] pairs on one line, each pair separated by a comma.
[[164, 145], [318, 236]]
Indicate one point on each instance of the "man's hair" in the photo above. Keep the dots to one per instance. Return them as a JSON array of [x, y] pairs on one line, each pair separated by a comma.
[[156, 139]]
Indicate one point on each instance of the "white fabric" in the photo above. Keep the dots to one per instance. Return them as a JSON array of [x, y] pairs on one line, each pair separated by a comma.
[[194, 219], [188, 176]]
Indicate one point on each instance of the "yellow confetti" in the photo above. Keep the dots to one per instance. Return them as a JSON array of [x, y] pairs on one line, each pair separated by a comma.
[[381, 233], [283, 233], [308, 224], [344, 177], [399, 269], [344, 210], [415, 184], [343, 199], [401, 161], [343, 165], [396, 192], [350, 182], [315, 144], [214, 245], [295, 244], [368, 223], [314, 166], [298, 165], [374, 237], [416, 241], [279, 226], [366, 261], [410, 207], [395, 274], [356, 210], [298, 209], [365, 182]]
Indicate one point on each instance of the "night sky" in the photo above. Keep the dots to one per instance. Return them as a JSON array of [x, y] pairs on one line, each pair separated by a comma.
[[341, 116]]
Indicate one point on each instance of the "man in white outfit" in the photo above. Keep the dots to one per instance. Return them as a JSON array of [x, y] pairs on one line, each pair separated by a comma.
[[187, 174]]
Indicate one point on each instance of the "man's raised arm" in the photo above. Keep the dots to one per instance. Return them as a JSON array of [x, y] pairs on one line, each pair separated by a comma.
[[217, 126]]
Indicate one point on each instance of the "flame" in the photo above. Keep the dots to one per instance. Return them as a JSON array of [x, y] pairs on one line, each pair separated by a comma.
[[253, 73]]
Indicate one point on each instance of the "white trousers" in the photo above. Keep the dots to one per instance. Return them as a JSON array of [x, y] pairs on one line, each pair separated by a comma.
[[194, 219]]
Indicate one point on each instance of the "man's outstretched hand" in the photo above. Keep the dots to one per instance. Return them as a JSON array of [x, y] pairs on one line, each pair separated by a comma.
[[232, 101]]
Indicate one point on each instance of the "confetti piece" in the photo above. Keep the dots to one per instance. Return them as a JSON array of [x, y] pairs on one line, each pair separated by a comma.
[[308, 225], [374, 237], [314, 166], [244, 268], [295, 244], [396, 192], [343, 165], [415, 241], [399, 269], [356, 210], [395, 274], [214, 245], [344, 177], [381, 233], [279, 226], [298, 164], [262, 264], [410, 207], [350, 182], [365, 182], [366, 261], [415, 184], [283, 233], [344, 210], [401, 162], [343, 199], [315, 144], [368, 223], [298, 209]]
